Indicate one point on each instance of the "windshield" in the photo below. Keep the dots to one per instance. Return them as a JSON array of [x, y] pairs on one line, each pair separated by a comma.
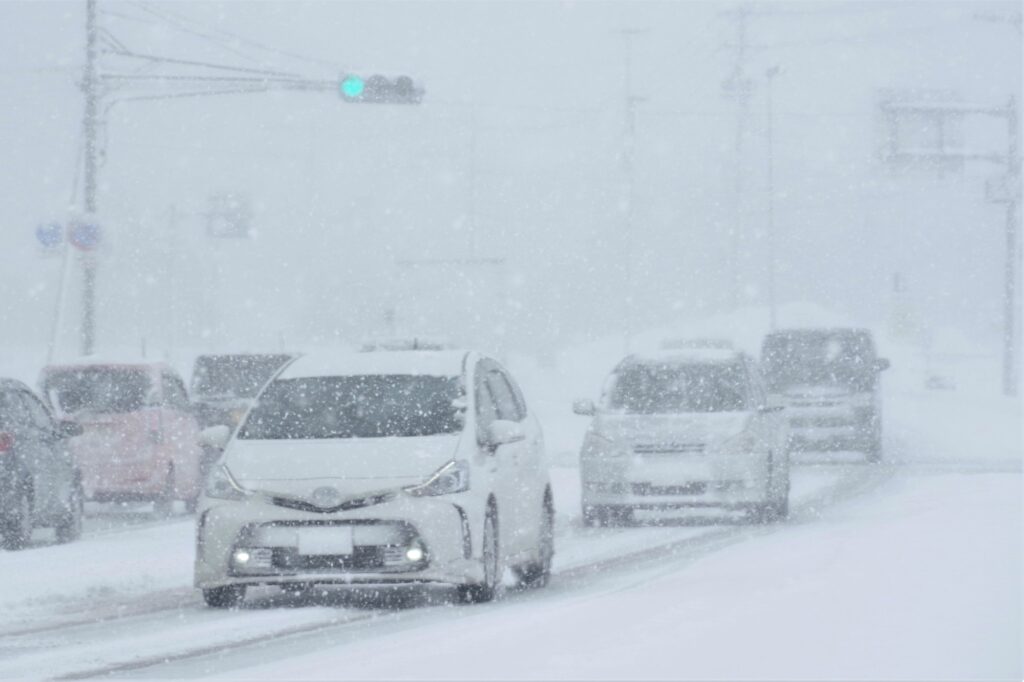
[[819, 358], [375, 406], [236, 376], [105, 390], [654, 389]]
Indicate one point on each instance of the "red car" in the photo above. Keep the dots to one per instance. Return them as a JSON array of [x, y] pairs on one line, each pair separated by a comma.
[[140, 437]]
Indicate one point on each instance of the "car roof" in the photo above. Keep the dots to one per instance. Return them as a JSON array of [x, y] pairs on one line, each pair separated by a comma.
[[445, 363], [8, 384], [148, 366], [821, 331], [688, 356]]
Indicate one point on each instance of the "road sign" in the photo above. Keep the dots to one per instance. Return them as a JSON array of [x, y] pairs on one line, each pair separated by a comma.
[[1003, 189], [50, 235], [83, 235]]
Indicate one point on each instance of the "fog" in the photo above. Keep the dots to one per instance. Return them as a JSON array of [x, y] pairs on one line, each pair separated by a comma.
[[516, 154]]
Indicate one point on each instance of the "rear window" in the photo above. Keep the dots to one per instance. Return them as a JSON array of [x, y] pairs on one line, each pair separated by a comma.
[[374, 406], [819, 357], [234, 376], [674, 388], [103, 390]]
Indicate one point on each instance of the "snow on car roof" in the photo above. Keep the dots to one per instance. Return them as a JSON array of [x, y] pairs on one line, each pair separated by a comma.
[[445, 363], [685, 356]]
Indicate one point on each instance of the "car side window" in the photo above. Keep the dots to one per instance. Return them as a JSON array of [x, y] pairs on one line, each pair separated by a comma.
[[517, 393], [12, 414], [38, 414], [485, 409], [504, 399], [174, 392]]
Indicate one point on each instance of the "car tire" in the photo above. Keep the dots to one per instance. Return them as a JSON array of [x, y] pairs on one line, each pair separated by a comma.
[[163, 505], [537, 574], [69, 528], [224, 597], [490, 547], [16, 530]]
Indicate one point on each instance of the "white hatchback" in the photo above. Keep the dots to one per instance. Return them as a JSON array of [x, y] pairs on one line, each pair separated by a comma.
[[684, 428], [380, 468]]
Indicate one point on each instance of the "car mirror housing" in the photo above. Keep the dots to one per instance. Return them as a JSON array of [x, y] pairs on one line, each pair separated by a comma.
[[503, 432], [216, 437], [585, 407], [882, 364]]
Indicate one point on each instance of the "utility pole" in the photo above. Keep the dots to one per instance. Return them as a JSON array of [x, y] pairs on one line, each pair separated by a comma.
[[628, 162], [1011, 359], [770, 75], [739, 87], [87, 332]]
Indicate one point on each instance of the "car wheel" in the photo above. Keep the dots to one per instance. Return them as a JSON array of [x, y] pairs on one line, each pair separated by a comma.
[[488, 589], [17, 528], [537, 574], [69, 528], [163, 505], [225, 597]]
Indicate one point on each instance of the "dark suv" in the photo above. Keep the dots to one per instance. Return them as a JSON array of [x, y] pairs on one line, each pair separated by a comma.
[[39, 482], [225, 386], [829, 380]]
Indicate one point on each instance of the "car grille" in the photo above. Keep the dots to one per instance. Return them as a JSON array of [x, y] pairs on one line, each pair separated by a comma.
[[692, 488], [363, 558], [355, 503], [668, 448], [819, 422]]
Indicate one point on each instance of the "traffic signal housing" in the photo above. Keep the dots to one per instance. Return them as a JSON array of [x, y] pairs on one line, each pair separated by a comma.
[[378, 89]]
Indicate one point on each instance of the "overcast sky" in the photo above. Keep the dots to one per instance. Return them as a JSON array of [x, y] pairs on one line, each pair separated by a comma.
[[515, 155]]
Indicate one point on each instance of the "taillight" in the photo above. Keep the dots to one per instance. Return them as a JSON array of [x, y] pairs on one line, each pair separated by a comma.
[[6, 442]]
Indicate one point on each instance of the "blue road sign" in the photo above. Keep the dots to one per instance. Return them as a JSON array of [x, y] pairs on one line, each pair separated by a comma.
[[50, 235], [85, 236]]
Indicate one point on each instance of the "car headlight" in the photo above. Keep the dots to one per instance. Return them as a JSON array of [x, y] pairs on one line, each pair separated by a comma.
[[453, 477], [221, 485]]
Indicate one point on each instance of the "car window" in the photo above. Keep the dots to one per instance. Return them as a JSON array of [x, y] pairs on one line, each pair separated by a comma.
[[38, 415], [674, 388], [486, 412], [174, 392], [504, 400], [358, 406], [13, 414], [517, 393]]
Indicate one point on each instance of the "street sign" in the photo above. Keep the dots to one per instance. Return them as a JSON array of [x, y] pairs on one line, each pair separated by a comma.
[[1002, 189], [50, 235], [83, 235]]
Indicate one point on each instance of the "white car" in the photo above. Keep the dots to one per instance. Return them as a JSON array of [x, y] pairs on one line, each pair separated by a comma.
[[380, 468], [684, 428]]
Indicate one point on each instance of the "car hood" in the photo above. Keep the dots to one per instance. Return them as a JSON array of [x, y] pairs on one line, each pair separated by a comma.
[[664, 429], [349, 465]]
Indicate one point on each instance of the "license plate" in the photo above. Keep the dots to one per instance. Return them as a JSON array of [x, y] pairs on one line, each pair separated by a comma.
[[328, 540]]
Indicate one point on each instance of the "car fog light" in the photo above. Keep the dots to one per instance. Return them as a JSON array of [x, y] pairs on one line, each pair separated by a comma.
[[414, 554], [242, 557]]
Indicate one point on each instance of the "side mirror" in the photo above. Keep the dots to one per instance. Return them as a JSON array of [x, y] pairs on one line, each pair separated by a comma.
[[215, 437], [881, 364], [69, 429], [585, 407], [503, 432]]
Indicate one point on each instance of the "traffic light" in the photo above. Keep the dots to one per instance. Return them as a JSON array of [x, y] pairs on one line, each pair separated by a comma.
[[379, 89]]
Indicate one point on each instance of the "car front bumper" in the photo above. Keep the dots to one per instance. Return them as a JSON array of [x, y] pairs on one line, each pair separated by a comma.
[[380, 533], [725, 481]]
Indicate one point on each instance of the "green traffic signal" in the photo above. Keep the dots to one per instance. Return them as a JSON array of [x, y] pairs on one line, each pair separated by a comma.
[[353, 86]]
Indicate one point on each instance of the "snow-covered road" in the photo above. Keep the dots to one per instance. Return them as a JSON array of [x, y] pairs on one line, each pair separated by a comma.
[[909, 569]]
